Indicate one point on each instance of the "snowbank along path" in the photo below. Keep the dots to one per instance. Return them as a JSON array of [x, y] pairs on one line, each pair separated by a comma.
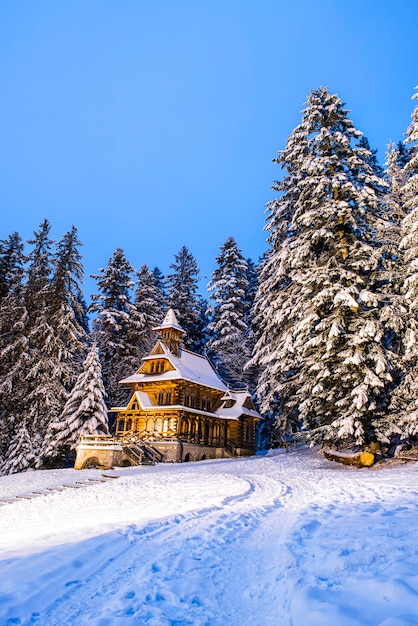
[[286, 540]]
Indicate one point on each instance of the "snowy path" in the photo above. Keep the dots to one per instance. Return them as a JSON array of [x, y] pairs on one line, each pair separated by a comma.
[[289, 539]]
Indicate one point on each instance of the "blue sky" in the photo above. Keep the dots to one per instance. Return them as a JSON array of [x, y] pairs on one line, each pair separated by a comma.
[[151, 124]]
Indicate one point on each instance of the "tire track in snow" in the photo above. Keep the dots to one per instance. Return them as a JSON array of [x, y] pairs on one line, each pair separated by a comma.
[[184, 578], [196, 551], [261, 540]]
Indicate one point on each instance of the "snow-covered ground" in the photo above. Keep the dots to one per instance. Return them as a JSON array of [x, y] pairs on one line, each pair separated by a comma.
[[283, 540]]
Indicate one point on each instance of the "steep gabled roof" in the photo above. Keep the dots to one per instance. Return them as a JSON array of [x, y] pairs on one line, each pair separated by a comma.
[[241, 403], [187, 366]]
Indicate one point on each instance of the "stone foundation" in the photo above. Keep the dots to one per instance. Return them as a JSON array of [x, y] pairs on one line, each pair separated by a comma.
[[107, 453], [179, 452], [103, 457]]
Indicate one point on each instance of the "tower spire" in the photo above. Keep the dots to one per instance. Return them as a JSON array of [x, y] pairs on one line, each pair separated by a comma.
[[171, 332]]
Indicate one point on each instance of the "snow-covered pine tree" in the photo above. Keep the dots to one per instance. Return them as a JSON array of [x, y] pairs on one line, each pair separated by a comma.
[[409, 243], [40, 268], [203, 333], [68, 309], [46, 376], [274, 352], [402, 420], [12, 261], [396, 177], [252, 286], [228, 286], [20, 455], [319, 308], [13, 339], [370, 156], [116, 329], [182, 288], [251, 372], [159, 282], [84, 413], [45, 372], [150, 309], [56, 338]]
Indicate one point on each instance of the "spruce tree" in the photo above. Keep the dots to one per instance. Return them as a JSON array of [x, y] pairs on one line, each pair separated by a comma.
[[203, 333], [251, 372], [402, 419], [46, 373], [20, 455], [12, 261], [182, 288], [14, 323], [319, 304], [84, 413], [229, 288], [56, 338], [161, 294], [409, 243], [40, 269], [68, 308], [274, 352], [370, 156], [149, 306], [116, 329]]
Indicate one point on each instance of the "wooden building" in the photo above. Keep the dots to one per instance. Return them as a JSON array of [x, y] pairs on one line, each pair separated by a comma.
[[179, 408]]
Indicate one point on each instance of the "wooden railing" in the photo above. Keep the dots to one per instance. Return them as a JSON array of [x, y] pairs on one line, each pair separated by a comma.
[[134, 441], [229, 445], [97, 441]]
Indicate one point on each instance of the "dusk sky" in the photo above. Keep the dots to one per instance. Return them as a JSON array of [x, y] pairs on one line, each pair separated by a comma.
[[151, 124]]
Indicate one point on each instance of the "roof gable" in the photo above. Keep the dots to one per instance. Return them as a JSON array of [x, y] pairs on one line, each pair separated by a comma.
[[187, 366], [158, 349]]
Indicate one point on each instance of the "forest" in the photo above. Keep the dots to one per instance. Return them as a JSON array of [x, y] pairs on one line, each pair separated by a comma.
[[322, 329]]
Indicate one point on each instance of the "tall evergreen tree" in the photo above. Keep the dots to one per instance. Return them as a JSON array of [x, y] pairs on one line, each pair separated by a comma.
[[403, 413], [323, 343], [13, 339], [12, 262], [84, 413], [68, 309], [182, 288], [56, 339], [149, 305], [46, 373], [370, 156], [116, 329], [252, 372], [229, 289], [20, 455], [40, 269], [161, 294], [203, 333]]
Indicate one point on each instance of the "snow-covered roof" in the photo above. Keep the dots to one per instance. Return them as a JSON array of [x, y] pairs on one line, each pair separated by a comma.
[[170, 321], [238, 408], [233, 413], [143, 399], [187, 366]]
